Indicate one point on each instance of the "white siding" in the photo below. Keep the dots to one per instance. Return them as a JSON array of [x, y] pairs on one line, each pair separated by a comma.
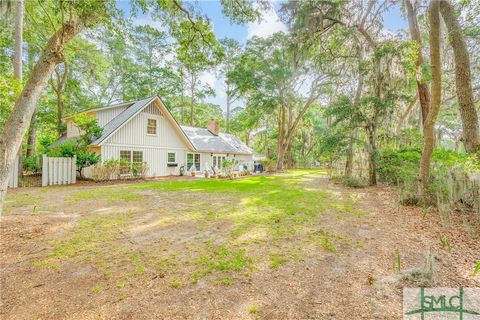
[[156, 158], [245, 159], [133, 136], [72, 129], [242, 159], [134, 132], [105, 116]]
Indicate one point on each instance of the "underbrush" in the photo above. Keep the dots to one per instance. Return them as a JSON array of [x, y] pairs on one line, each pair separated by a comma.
[[455, 177], [349, 181]]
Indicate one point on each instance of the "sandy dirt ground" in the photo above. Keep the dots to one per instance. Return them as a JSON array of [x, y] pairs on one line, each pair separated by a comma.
[[141, 267]]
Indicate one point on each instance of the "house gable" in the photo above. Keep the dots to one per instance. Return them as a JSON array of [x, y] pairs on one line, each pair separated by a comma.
[[131, 128]]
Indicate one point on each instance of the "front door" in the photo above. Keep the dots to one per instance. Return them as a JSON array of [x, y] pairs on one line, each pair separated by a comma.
[[193, 160], [218, 161]]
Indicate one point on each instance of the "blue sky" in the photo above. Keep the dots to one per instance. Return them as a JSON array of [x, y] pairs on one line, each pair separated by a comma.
[[393, 21]]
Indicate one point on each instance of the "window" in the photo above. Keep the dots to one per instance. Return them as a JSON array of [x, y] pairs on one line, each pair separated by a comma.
[[171, 157], [152, 126], [125, 161], [127, 158], [218, 161], [193, 159], [137, 157]]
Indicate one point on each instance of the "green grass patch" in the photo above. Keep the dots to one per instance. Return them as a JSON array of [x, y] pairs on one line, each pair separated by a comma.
[[222, 259], [254, 308], [87, 240], [19, 200], [111, 194], [97, 288], [176, 283], [276, 260], [224, 281], [46, 263]]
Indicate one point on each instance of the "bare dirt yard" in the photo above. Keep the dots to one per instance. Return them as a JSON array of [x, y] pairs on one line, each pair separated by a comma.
[[289, 246]]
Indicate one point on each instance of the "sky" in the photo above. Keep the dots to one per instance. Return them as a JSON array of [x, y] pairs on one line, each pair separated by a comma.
[[270, 23]]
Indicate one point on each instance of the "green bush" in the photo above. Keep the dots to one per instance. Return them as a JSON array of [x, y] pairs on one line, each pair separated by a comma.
[[398, 166], [32, 164], [349, 181]]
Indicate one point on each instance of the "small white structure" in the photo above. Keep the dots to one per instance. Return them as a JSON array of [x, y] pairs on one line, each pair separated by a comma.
[[145, 131], [58, 170]]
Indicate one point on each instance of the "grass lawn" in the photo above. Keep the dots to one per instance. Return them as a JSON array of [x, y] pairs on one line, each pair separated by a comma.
[[235, 226], [197, 238]]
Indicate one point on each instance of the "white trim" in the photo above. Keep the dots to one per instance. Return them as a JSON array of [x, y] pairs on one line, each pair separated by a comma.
[[125, 122], [162, 110], [142, 146], [224, 153], [175, 154], [124, 104]]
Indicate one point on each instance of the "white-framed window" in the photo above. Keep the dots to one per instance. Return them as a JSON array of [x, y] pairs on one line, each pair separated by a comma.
[[218, 161], [193, 159], [171, 157], [152, 126], [137, 156], [128, 158]]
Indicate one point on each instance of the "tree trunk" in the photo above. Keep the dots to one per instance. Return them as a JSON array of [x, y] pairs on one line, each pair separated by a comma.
[[19, 120], [463, 79], [372, 150], [349, 161], [17, 53], [281, 139], [358, 95], [423, 92], [32, 137], [17, 63], [58, 86], [192, 98], [228, 109], [429, 125]]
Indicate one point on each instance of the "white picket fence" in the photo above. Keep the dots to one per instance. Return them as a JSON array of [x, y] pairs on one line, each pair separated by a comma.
[[58, 170], [13, 177]]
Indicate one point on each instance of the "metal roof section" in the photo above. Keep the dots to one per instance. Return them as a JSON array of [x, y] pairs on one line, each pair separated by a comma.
[[123, 117], [204, 140]]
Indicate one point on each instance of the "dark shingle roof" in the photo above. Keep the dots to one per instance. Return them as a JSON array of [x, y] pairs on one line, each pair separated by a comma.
[[116, 122]]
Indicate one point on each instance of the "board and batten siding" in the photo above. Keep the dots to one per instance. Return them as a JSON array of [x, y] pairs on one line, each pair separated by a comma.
[[133, 137], [105, 116], [134, 132], [155, 157]]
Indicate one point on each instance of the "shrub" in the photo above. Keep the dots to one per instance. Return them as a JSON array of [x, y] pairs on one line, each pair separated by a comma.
[[119, 169], [454, 176], [349, 181], [32, 164], [398, 166]]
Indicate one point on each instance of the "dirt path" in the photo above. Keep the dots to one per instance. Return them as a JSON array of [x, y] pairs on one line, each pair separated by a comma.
[[355, 281]]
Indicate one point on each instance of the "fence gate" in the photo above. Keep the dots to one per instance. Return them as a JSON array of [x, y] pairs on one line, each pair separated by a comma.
[[13, 176], [58, 170]]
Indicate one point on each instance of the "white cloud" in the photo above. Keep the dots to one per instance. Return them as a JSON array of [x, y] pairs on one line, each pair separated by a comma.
[[269, 24], [147, 20], [208, 77]]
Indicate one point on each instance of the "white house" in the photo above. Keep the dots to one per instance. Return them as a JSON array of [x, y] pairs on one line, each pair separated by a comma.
[[145, 131]]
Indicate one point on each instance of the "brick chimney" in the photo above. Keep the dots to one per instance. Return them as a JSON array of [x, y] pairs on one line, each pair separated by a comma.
[[213, 127]]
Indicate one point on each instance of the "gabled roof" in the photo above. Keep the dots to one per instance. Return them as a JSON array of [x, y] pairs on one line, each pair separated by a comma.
[[204, 140], [200, 139], [123, 117], [102, 108]]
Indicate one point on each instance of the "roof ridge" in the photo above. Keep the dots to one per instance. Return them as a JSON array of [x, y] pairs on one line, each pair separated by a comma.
[[107, 131]]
